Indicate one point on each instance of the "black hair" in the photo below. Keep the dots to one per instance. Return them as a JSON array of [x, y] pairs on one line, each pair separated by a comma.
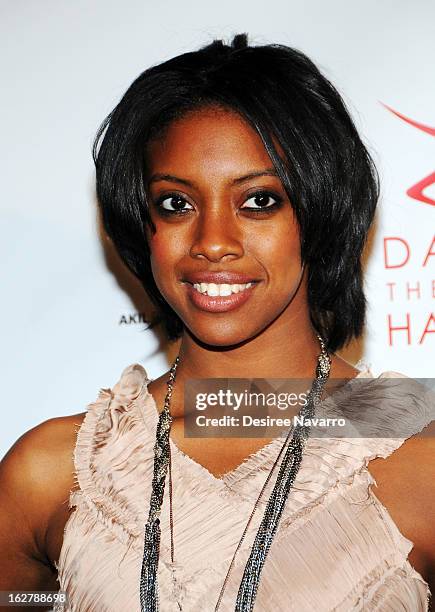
[[328, 174]]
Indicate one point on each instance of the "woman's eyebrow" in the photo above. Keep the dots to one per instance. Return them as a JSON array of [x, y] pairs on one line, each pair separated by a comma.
[[251, 175], [240, 179], [169, 177]]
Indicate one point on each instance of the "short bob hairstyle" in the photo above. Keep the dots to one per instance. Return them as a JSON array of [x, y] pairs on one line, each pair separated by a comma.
[[328, 174]]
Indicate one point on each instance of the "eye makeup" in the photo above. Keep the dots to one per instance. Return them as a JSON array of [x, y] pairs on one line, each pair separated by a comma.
[[179, 199]]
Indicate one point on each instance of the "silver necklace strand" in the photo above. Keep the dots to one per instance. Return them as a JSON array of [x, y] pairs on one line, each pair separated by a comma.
[[149, 598]]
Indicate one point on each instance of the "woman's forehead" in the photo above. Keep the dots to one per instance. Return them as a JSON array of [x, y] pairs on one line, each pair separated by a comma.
[[211, 141]]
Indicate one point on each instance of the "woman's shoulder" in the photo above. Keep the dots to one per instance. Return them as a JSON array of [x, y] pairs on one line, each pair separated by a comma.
[[37, 451], [39, 472], [404, 469], [36, 477], [405, 485], [39, 465]]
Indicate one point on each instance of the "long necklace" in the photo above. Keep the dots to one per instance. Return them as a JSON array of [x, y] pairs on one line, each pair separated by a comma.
[[149, 599]]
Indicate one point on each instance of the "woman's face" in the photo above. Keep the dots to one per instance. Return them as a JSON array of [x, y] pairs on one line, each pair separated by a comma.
[[218, 206]]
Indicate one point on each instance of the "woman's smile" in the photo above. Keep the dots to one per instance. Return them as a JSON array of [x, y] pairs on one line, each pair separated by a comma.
[[219, 298], [219, 291]]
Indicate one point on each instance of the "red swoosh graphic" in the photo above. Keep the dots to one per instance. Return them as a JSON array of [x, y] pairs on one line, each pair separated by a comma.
[[419, 126], [416, 192]]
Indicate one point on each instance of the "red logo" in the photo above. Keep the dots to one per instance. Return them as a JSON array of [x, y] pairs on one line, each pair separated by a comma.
[[416, 191]]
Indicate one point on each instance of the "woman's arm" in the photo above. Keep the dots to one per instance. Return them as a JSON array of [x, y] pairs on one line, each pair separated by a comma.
[[36, 476], [406, 486]]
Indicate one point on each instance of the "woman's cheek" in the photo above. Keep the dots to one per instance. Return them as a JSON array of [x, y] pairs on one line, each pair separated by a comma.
[[157, 257], [156, 247], [164, 261]]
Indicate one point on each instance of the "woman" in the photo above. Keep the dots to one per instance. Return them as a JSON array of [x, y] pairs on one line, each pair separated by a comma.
[[234, 185]]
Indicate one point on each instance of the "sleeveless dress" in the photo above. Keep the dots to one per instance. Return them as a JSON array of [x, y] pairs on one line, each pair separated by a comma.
[[337, 548]]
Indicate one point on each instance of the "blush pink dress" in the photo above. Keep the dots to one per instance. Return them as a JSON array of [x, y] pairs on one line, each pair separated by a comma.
[[337, 548]]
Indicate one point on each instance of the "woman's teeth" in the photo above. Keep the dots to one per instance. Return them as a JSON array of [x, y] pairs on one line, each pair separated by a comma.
[[214, 290]]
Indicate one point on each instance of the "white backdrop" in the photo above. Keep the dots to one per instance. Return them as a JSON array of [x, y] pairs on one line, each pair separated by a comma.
[[66, 64]]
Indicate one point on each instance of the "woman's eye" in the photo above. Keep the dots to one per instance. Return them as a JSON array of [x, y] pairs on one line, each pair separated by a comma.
[[262, 201], [172, 204]]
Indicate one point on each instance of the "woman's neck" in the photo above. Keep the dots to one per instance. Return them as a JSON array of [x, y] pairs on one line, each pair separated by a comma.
[[275, 353]]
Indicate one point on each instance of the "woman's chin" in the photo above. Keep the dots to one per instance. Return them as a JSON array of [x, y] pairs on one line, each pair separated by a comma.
[[220, 336]]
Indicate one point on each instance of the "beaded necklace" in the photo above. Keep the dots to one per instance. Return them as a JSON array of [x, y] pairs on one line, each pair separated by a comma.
[[149, 600]]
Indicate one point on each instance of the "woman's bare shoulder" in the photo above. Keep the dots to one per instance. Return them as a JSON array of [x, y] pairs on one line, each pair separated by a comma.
[[40, 448], [405, 484], [42, 458], [36, 476], [37, 472]]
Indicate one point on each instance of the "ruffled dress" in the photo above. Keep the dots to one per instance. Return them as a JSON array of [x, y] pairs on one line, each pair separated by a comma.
[[336, 549]]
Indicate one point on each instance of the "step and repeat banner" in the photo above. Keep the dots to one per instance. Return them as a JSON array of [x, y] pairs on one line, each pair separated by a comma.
[[73, 317]]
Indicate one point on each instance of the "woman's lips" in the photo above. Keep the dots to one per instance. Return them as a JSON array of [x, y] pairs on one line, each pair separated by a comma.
[[219, 303]]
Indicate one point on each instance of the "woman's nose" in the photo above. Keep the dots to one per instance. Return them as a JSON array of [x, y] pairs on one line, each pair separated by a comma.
[[216, 235]]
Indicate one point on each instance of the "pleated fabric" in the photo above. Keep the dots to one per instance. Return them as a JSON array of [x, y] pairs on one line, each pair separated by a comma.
[[336, 549]]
